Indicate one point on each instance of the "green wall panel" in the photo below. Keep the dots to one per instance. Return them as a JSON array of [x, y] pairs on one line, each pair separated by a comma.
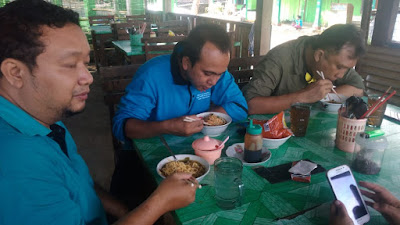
[[310, 11], [137, 7], [290, 9], [57, 2], [89, 6], [251, 4], [357, 6]]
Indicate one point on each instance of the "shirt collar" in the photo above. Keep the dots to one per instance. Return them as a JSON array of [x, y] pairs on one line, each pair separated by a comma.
[[21, 120], [175, 70]]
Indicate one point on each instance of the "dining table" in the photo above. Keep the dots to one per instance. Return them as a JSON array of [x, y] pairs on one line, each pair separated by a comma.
[[286, 202], [133, 53], [101, 35]]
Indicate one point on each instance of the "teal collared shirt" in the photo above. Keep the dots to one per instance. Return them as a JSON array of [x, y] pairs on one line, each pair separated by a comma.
[[39, 184]]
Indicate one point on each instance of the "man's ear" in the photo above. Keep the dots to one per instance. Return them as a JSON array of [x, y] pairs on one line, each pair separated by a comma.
[[318, 54], [13, 70], [186, 63]]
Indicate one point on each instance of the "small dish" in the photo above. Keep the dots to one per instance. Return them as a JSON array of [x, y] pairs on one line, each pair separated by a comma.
[[231, 152]]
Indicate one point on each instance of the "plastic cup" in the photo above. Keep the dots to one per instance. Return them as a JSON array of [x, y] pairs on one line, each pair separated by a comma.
[[136, 39], [299, 116], [375, 119]]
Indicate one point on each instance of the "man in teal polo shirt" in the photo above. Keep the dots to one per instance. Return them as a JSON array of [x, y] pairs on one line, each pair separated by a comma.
[[43, 78]]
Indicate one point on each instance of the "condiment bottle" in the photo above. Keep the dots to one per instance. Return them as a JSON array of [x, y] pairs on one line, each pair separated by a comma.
[[253, 142], [368, 152]]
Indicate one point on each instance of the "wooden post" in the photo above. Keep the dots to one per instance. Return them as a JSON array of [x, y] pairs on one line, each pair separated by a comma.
[[384, 22], [365, 18], [263, 27]]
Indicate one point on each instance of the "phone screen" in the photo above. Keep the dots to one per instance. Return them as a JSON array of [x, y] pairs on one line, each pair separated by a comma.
[[345, 189]]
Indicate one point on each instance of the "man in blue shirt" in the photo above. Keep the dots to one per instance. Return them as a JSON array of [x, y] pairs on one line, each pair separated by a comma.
[[192, 80], [43, 78]]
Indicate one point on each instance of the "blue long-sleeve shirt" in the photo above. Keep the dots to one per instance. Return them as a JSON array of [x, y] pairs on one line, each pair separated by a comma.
[[158, 92]]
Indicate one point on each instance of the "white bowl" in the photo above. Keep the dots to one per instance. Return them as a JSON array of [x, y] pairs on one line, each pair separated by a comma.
[[333, 107], [274, 143], [214, 131], [181, 157]]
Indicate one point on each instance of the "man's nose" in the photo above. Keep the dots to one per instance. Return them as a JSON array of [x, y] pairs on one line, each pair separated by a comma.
[[213, 80], [85, 77], [340, 74]]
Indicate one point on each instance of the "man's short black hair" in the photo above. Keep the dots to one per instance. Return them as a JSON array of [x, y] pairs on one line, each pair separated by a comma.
[[21, 24], [201, 34], [335, 37]]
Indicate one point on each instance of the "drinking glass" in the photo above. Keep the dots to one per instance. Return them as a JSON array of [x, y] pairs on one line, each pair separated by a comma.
[[299, 115], [228, 182], [375, 119]]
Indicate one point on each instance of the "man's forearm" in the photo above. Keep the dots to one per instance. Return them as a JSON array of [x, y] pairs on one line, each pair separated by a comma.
[[110, 204], [348, 90], [217, 108], [272, 104], [146, 214], [135, 128]]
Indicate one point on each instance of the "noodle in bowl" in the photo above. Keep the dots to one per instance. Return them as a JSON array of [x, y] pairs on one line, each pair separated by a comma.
[[219, 121], [186, 163]]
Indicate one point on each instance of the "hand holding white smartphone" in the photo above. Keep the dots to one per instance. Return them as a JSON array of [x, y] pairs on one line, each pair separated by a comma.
[[345, 188]]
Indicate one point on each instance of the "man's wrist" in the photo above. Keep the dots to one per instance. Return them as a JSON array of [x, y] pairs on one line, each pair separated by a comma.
[[164, 127]]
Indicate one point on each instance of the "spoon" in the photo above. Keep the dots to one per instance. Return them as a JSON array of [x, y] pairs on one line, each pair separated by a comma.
[[167, 146], [226, 139]]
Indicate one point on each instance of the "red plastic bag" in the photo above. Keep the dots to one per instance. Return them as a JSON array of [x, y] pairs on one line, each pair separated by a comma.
[[274, 128]]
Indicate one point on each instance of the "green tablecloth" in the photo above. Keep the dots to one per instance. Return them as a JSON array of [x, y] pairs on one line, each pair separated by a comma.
[[263, 202], [101, 29], [128, 49]]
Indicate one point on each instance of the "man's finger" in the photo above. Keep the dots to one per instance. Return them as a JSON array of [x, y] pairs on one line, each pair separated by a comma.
[[371, 186], [369, 194]]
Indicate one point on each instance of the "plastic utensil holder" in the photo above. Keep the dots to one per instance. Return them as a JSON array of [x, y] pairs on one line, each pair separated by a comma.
[[136, 39], [346, 132]]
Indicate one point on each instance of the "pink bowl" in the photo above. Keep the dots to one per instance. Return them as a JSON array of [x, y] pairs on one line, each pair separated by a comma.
[[205, 148]]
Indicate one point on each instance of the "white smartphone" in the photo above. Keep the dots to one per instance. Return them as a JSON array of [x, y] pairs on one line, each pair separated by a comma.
[[345, 188]]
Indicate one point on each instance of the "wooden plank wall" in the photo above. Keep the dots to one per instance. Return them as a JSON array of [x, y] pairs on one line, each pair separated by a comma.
[[380, 68]]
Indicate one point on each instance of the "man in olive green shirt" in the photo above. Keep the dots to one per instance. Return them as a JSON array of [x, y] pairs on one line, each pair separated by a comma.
[[280, 78]]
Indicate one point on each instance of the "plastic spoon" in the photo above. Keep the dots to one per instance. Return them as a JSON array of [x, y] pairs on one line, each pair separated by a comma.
[[226, 139]]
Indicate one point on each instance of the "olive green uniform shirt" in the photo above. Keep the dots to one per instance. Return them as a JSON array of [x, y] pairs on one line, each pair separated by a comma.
[[283, 70]]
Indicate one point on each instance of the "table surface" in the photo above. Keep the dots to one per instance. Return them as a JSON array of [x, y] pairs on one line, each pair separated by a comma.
[[264, 202], [101, 29], [128, 49]]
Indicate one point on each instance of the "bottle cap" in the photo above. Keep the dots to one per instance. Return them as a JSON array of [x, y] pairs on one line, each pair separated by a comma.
[[254, 129]]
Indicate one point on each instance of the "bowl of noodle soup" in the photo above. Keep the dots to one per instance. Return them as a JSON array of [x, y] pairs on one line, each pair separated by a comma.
[[219, 122], [193, 164]]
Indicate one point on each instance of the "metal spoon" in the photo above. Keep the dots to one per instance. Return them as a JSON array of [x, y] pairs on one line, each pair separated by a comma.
[[167, 146]]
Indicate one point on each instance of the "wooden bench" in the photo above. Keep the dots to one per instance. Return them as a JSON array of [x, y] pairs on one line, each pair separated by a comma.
[[242, 69], [160, 45], [100, 20], [380, 68], [115, 80]]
